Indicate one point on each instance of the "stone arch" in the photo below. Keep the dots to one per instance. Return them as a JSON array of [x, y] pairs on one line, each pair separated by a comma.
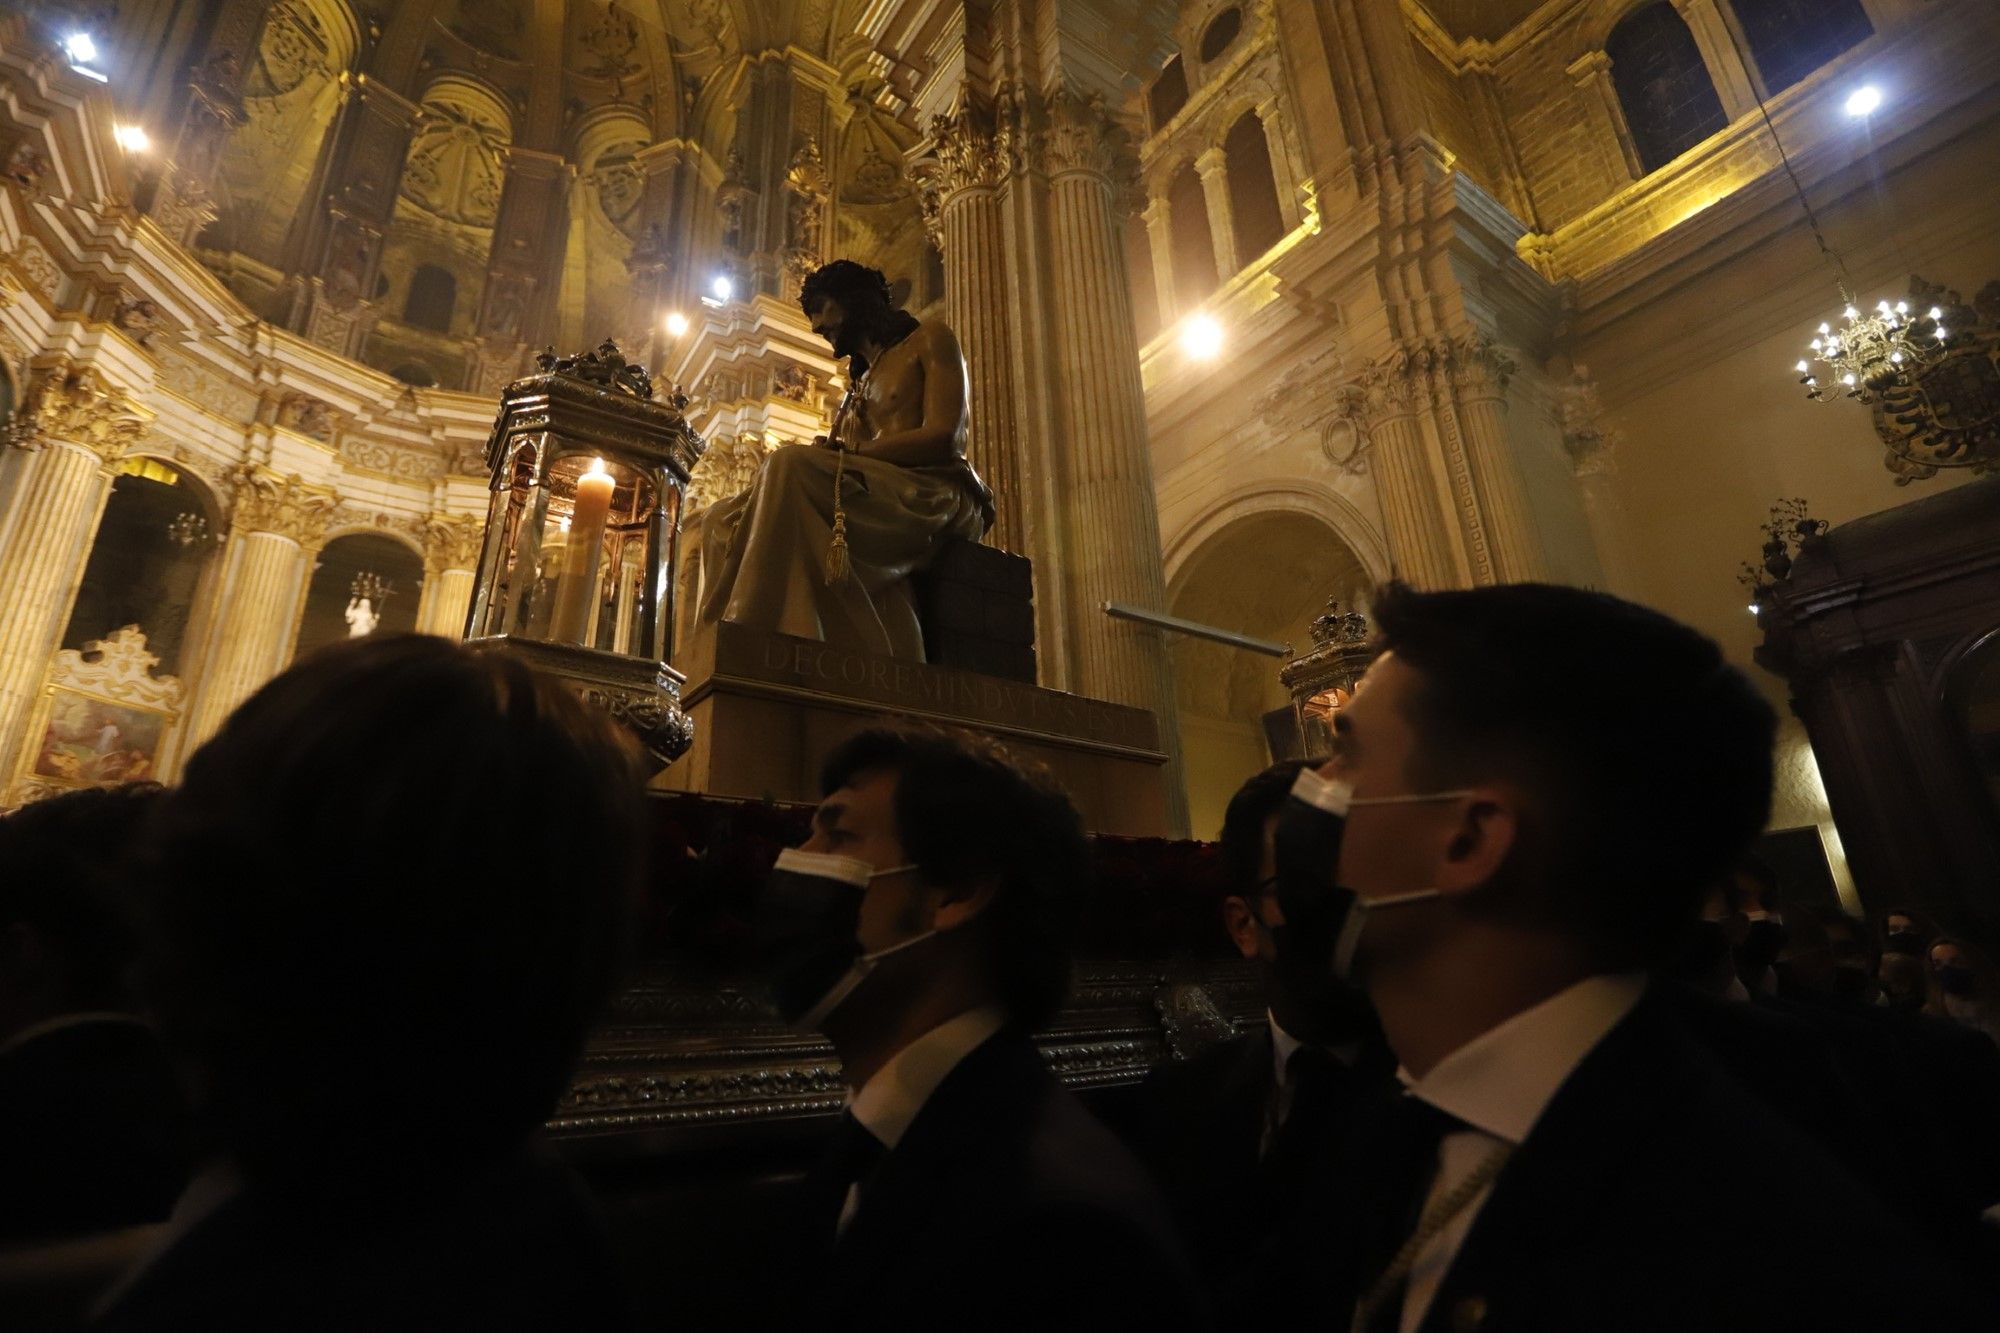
[[1298, 495], [351, 550], [1267, 573], [151, 559], [607, 216], [1256, 211], [291, 94], [1196, 272]]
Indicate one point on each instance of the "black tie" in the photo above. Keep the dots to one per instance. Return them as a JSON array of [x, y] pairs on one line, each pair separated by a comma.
[[851, 1156], [1404, 1163], [1318, 1083]]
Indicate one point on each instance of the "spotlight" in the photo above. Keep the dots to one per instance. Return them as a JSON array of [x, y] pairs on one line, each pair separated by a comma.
[[1864, 100], [677, 324], [1201, 338], [722, 286], [81, 49], [132, 139]]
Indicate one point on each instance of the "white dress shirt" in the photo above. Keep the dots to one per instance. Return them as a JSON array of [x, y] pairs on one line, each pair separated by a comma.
[[1499, 1083], [888, 1103]]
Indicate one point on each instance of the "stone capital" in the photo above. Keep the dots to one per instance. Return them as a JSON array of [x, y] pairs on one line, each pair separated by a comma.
[[452, 541], [78, 406], [286, 506], [1414, 374], [1589, 67]]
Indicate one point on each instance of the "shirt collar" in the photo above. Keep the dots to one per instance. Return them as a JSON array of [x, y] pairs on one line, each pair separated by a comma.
[[1501, 1081], [888, 1103]]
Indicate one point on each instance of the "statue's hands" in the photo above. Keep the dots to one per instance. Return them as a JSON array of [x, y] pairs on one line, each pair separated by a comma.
[[822, 442]]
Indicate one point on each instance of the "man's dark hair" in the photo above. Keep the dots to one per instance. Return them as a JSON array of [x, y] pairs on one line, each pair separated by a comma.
[[67, 872], [394, 890], [1648, 754], [863, 293], [1243, 823], [966, 809]]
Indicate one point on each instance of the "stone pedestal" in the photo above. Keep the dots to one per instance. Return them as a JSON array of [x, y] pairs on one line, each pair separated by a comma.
[[769, 708]]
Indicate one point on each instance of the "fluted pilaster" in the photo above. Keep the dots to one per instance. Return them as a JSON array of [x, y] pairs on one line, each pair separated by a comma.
[[1108, 500], [278, 521], [965, 182], [1478, 372], [1392, 393], [76, 427]]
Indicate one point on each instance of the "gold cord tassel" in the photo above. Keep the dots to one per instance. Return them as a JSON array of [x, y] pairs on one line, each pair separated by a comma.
[[838, 567]]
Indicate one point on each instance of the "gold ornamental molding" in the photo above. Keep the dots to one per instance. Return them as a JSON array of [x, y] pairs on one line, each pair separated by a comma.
[[78, 406], [286, 506], [452, 541]]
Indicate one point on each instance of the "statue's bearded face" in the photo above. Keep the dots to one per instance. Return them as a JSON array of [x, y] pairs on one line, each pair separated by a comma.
[[830, 321]]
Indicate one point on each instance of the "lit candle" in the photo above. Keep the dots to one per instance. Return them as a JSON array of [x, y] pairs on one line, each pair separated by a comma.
[[576, 595]]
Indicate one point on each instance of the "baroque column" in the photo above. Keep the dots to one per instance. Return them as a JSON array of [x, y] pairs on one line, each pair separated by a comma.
[[75, 427], [277, 523], [1110, 514], [961, 191], [1391, 393], [451, 555], [1475, 372]]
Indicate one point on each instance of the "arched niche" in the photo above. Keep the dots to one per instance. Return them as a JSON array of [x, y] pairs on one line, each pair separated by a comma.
[[1221, 34], [875, 214], [431, 297], [1266, 574], [606, 219], [1193, 247], [1663, 86], [1254, 210], [446, 205], [291, 92], [1789, 39], [345, 565], [149, 561]]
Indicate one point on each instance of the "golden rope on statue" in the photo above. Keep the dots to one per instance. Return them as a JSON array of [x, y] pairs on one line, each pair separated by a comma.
[[823, 547]]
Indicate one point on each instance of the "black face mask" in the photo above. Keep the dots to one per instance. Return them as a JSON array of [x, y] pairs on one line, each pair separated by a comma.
[[1904, 941], [1761, 946], [1314, 1005], [1305, 846], [1956, 979], [806, 934]]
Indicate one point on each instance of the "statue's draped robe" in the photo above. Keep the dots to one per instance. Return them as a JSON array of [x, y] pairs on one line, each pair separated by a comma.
[[759, 558]]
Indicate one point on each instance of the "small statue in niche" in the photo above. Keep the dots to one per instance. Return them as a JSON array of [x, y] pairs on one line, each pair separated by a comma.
[[361, 618], [138, 317]]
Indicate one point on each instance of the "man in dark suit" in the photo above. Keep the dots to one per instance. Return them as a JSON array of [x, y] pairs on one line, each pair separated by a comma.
[[377, 980], [1230, 1133], [924, 929], [93, 1132], [1563, 1154]]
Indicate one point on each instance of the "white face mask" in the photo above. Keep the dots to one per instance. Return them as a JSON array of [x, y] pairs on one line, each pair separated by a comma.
[[1335, 797]]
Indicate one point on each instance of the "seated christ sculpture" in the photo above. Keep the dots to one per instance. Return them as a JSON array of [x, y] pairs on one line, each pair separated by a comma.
[[897, 452]]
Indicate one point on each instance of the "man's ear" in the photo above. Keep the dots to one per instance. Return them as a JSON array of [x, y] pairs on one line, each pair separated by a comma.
[[1241, 923], [958, 904], [1488, 826]]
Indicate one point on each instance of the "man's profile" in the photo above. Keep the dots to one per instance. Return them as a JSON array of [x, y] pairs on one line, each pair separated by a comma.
[[897, 454]]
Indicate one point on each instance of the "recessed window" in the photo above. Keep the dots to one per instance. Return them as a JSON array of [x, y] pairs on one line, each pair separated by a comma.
[[417, 373], [433, 293], [1168, 94], [1789, 39], [1220, 32], [1253, 189], [1663, 87]]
